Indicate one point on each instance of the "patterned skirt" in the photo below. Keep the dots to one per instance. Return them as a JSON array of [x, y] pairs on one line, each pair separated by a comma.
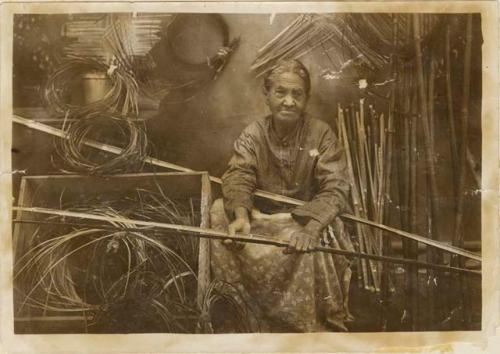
[[299, 292]]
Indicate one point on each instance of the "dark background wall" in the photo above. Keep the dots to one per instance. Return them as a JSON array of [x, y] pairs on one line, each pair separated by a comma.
[[200, 133]]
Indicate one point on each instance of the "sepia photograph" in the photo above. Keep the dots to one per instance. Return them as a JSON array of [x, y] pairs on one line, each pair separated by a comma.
[[215, 172]]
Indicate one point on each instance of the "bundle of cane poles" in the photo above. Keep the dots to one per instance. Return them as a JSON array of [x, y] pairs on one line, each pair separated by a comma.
[[417, 82], [363, 133], [428, 67]]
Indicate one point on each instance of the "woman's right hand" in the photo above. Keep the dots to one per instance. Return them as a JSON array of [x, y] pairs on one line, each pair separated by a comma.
[[240, 225]]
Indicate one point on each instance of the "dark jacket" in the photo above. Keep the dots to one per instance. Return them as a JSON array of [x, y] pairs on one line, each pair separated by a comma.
[[309, 164]]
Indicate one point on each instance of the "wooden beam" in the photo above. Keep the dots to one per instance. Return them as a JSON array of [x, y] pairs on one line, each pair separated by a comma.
[[204, 247], [51, 318]]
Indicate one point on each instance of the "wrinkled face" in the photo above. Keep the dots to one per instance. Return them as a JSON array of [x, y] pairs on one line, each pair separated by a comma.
[[287, 98]]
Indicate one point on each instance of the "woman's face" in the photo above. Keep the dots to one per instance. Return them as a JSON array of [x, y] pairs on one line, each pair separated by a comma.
[[287, 98]]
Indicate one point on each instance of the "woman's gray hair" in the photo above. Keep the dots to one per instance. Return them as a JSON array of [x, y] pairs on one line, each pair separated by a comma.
[[288, 66]]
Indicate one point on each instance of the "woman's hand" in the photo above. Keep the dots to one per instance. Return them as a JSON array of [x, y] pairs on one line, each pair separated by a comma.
[[305, 239], [300, 241], [240, 225]]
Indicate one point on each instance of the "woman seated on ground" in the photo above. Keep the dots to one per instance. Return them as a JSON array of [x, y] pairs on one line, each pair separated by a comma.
[[291, 154]]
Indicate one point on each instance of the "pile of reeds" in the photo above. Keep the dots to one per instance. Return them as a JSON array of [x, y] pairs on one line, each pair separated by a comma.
[[128, 134], [94, 268], [117, 109], [121, 277], [121, 97], [116, 47]]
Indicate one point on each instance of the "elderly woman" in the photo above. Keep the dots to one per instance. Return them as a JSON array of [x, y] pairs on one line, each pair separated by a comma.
[[291, 154]]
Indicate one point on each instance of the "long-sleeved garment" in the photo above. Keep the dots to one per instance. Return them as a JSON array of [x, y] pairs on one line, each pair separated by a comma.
[[308, 164], [300, 292]]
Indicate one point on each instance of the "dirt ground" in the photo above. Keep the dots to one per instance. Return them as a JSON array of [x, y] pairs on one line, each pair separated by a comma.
[[444, 313]]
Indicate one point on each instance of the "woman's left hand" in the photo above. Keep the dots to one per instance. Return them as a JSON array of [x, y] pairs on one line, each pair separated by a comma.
[[305, 239], [301, 241]]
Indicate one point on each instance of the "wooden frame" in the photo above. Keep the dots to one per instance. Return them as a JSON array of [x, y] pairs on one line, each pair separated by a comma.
[[42, 190]]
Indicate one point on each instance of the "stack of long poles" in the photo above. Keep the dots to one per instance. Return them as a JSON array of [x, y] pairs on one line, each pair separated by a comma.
[[429, 151], [411, 113], [410, 128], [386, 189], [364, 135], [458, 238], [417, 135]]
